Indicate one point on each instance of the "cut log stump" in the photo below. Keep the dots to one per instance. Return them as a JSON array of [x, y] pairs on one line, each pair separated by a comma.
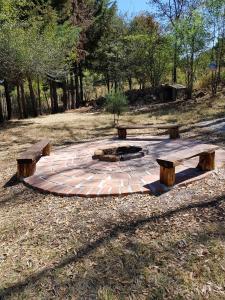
[[26, 163], [167, 176], [174, 133], [207, 162], [122, 133], [26, 169], [46, 150]]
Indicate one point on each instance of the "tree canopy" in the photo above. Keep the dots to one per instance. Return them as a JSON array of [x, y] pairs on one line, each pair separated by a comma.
[[55, 55]]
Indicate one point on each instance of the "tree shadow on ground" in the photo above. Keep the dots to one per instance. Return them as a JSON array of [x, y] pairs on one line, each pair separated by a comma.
[[131, 268], [203, 124], [133, 263], [15, 124], [13, 197], [212, 138], [72, 133]]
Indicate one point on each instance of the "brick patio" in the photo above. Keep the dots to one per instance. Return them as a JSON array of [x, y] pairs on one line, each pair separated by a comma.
[[70, 171]]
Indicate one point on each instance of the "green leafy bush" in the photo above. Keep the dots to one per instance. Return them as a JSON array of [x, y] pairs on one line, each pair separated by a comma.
[[116, 103]]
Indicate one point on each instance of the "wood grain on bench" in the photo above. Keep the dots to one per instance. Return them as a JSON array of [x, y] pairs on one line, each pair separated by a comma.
[[159, 126], [26, 162], [168, 163], [173, 129]]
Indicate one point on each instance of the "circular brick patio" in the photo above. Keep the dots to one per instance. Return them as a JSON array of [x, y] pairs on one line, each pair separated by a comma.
[[71, 171]]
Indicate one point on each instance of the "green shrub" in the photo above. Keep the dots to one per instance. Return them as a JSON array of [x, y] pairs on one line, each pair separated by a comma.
[[116, 103]]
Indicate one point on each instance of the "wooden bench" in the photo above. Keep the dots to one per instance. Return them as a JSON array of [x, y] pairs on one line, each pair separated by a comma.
[[168, 163], [173, 129], [26, 162]]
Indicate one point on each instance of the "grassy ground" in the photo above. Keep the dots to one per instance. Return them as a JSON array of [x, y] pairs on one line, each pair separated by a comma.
[[135, 247]]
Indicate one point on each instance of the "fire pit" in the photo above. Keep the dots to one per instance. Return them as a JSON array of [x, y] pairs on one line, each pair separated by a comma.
[[119, 153]]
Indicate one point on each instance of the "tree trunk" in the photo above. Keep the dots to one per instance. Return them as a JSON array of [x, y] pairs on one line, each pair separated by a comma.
[[72, 91], [214, 83], [51, 96], [64, 98], [39, 96], [192, 74], [1, 111], [23, 101], [46, 99], [130, 83], [191, 71], [19, 102], [77, 86], [116, 86], [220, 56], [68, 94], [108, 83], [175, 63], [55, 108], [221, 52], [32, 97], [81, 84], [8, 100]]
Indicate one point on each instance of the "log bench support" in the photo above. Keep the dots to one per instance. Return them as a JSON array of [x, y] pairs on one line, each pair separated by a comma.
[[26, 168], [168, 164], [122, 133], [167, 176], [174, 132], [46, 151], [207, 162], [26, 163]]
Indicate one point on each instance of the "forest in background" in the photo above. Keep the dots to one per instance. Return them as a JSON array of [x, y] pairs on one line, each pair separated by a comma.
[[58, 55]]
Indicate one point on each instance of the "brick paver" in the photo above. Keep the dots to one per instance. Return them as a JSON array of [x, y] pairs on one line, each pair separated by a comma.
[[72, 172]]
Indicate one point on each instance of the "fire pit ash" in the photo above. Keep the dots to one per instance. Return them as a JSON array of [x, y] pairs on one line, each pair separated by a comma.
[[118, 153]]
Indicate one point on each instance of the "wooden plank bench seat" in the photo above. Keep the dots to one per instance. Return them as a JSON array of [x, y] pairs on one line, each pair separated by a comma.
[[168, 163], [26, 162], [173, 129]]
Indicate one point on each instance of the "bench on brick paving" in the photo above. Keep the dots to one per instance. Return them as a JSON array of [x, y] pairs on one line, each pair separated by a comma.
[[173, 129], [168, 163], [26, 162]]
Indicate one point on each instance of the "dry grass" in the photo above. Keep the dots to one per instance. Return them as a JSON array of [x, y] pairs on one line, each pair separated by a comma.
[[114, 248]]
